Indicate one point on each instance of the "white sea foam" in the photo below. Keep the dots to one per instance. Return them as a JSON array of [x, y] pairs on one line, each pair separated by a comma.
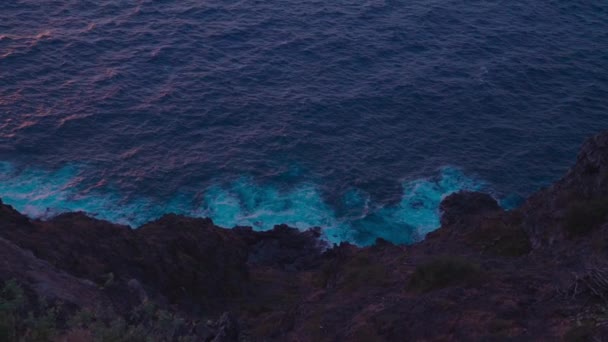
[[42, 194]]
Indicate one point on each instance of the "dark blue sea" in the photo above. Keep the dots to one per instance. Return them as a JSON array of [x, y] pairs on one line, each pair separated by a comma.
[[356, 116]]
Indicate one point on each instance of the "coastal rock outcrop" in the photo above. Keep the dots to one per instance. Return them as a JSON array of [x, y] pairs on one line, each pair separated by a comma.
[[460, 208], [537, 272], [549, 214]]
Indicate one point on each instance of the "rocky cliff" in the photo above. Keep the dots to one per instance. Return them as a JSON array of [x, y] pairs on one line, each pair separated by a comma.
[[539, 272]]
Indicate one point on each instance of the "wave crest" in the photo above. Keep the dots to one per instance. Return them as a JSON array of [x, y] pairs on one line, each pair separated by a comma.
[[43, 194]]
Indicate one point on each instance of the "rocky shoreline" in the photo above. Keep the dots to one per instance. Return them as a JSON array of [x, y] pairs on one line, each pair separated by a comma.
[[538, 272]]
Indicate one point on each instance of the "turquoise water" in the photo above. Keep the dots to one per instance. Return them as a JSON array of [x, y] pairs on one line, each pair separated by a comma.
[[356, 116], [43, 194]]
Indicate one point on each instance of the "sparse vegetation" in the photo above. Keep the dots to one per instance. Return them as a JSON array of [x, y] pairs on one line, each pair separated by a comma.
[[20, 320], [502, 239], [353, 273], [584, 217], [145, 323], [443, 272], [12, 300], [361, 271]]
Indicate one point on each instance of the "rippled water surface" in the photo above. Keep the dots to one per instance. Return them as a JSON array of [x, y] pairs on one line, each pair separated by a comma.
[[357, 116]]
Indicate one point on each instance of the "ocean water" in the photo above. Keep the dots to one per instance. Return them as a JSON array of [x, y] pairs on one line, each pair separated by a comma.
[[355, 116]]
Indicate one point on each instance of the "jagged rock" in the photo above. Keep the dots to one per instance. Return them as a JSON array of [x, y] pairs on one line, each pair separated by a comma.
[[192, 260], [287, 285], [284, 247], [545, 212], [460, 207], [45, 280], [589, 175], [189, 261]]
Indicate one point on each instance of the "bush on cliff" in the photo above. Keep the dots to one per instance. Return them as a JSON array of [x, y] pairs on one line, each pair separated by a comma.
[[353, 273], [586, 216], [12, 300], [363, 271], [443, 272], [32, 320], [145, 323], [19, 320]]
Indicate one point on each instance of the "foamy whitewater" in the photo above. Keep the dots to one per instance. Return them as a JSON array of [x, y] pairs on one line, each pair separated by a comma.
[[41, 194], [357, 117]]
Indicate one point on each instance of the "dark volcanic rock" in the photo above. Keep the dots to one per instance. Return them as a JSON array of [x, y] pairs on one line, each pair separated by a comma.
[[463, 206], [284, 247], [534, 273], [589, 176], [45, 280], [10, 219], [192, 260], [546, 212], [187, 261]]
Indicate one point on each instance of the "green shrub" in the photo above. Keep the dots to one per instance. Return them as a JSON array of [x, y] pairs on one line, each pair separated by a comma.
[[358, 271], [119, 330], [42, 327], [12, 301], [82, 319], [361, 271], [145, 323], [443, 272], [584, 217], [22, 321], [12, 297], [18, 322], [8, 324]]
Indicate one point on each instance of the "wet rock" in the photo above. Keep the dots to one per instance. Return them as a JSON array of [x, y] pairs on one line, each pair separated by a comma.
[[459, 208], [288, 285], [285, 247]]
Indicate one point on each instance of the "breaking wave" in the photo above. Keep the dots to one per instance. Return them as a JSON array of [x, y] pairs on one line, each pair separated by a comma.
[[242, 202]]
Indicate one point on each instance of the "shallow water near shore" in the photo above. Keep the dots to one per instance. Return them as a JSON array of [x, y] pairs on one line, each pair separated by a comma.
[[42, 194]]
